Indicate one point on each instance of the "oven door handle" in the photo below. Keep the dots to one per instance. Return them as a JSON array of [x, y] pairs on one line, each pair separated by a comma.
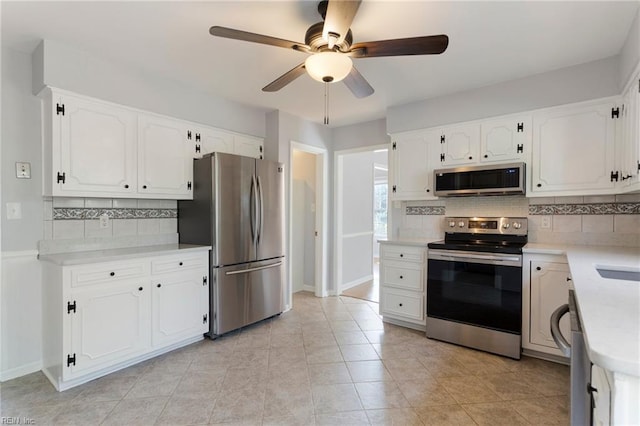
[[560, 340], [469, 257]]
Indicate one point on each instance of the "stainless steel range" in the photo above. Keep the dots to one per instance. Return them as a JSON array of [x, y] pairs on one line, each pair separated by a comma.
[[474, 284]]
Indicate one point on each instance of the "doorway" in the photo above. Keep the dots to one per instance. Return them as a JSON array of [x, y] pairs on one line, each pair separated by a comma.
[[308, 213], [361, 219]]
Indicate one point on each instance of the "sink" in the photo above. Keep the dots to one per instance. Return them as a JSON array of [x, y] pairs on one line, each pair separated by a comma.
[[619, 272]]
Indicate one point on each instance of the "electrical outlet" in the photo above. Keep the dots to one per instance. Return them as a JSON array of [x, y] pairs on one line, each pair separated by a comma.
[[545, 222], [23, 170], [104, 221]]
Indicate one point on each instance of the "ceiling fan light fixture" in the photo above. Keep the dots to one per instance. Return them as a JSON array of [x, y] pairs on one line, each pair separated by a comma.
[[328, 67]]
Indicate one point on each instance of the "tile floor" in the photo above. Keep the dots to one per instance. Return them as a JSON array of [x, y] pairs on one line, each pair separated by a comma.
[[326, 362]]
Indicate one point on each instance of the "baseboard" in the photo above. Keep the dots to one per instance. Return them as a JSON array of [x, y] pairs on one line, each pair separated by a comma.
[[23, 370], [309, 288], [362, 280]]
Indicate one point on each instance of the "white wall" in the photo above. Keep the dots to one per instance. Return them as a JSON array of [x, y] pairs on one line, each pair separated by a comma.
[[573, 84], [356, 233], [360, 135], [303, 250]]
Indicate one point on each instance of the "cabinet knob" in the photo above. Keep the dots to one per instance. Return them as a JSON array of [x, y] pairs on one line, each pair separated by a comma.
[[401, 277], [139, 288], [159, 285], [112, 273], [144, 186], [428, 190], [486, 156], [180, 263], [401, 255], [539, 185], [470, 158], [538, 268], [126, 186], [399, 304]]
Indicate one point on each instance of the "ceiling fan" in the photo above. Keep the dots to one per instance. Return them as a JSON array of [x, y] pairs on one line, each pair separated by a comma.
[[330, 46]]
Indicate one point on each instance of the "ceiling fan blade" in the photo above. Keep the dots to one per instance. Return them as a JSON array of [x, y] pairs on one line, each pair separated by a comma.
[[340, 14], [257, 38], [357, 84], [285, 79], [427, 45]]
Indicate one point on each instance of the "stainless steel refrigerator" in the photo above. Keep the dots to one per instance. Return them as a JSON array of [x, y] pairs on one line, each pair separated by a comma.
[[238, 209]]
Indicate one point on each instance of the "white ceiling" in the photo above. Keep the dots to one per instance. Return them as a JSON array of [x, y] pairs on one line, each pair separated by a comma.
[[490, 42]]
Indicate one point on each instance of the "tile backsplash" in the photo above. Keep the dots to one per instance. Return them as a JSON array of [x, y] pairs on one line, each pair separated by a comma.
[[79, 218], [597, 220]]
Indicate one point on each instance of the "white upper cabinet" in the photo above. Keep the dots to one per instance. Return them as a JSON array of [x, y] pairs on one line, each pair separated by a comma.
[[165, 160], [209, 139], [414, 155], [573, 149], [505, 139], [91, 148], [248, 146], [460, 144], [629, 153]]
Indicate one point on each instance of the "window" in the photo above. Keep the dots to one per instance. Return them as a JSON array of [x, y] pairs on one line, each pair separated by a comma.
[[380, 209]]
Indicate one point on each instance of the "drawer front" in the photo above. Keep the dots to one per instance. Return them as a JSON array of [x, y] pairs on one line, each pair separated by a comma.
[[107, 272], [393, 252], [402, 274], [179, 262], [403, 304]]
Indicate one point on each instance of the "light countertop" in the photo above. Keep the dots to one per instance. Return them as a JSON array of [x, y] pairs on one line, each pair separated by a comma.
[[93, 256], [609, 308], [420, 242]]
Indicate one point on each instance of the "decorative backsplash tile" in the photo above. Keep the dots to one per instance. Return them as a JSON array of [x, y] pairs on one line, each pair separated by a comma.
[[584, 209], [424, 210], [64, 213]]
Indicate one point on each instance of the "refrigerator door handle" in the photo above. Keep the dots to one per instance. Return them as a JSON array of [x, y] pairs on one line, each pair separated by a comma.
[[261, 215], [259, 268], [254, 210]]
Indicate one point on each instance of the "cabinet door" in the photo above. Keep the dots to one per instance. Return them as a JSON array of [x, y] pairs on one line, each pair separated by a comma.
[[208, 140], [549, 290], [460, 144], [94, 150], [413, 156], [629, 158], [110, 324], [505, 139], [248, 146], [180, 307], [601, 415], [165, 158], [573, 149]]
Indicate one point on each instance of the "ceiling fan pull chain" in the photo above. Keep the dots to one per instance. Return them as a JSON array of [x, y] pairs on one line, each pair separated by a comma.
[[326, 103]]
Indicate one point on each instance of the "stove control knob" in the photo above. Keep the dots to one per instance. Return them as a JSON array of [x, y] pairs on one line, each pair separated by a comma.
[[505, 225], [461, 224], [517, 225], [452, 224]]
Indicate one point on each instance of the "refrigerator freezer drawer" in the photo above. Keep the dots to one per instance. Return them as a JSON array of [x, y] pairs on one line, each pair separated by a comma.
[[246, 293]]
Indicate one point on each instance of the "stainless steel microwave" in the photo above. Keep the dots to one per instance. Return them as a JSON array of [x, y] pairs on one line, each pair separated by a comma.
[[496, 179]]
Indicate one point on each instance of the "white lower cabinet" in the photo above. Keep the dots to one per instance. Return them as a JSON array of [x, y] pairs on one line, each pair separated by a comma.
[[103, 316], [545, 288], [402, 284], [601, 394]]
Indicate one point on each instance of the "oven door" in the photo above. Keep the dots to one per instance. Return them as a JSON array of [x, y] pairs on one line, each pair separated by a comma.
[[479, 289]]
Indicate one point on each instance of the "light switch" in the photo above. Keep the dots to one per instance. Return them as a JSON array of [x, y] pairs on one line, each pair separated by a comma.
[[14, 211], [23, 170]]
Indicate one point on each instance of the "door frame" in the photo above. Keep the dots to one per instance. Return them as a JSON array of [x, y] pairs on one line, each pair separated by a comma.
[[338, 157], [321, 219]]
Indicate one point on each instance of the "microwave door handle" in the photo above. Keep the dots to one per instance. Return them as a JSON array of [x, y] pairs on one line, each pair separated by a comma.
[[560, 340]]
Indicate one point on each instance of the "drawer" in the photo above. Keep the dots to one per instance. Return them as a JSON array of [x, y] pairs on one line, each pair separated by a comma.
[[393, 252], [402, 274], [179, 262], [403, 304], [107, 272]]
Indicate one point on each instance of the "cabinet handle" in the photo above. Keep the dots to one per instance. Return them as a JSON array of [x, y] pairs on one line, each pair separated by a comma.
[[180, 263], [399, 304], [139, 288], [144, 186], [126, 186], [112, 273], [486, 156], [401, 255], [539, 185], [538, 268], [568, 278], [159, 285], [428, 190], [470, 158], [591, 389], [400, 276]]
